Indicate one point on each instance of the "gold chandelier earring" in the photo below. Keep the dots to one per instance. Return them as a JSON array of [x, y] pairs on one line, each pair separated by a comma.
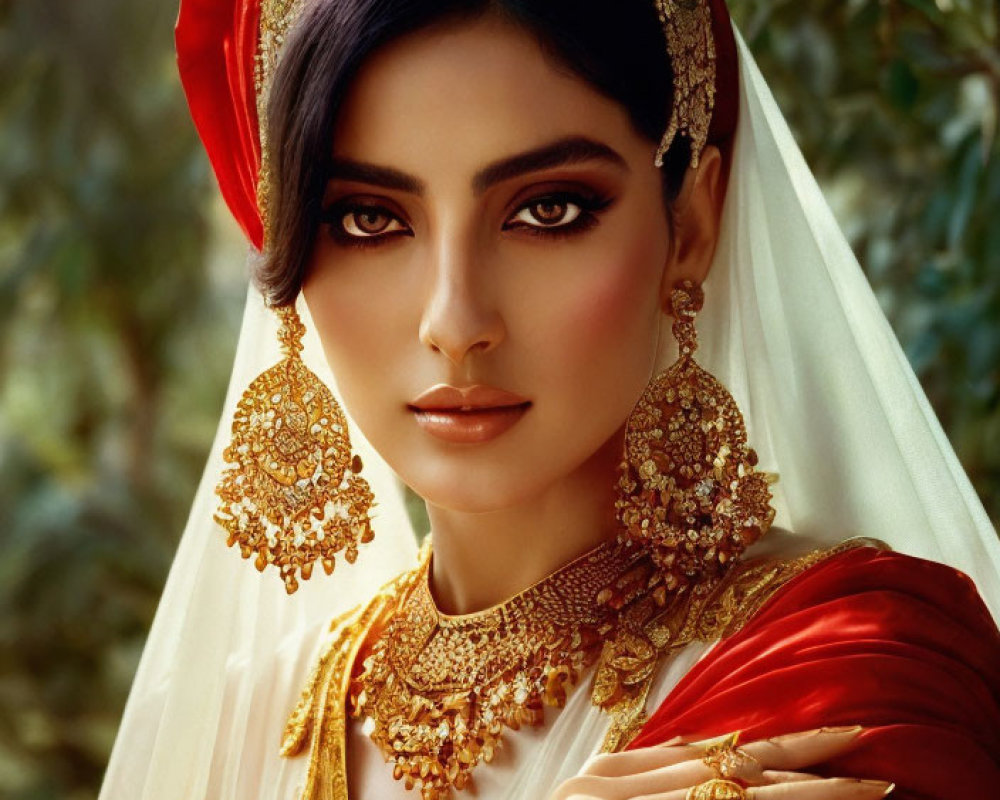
[[293, 495], [688, 490]]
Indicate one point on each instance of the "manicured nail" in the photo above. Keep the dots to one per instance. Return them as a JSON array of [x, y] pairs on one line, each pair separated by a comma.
[[837, 731], [797, 735], [885, 786]]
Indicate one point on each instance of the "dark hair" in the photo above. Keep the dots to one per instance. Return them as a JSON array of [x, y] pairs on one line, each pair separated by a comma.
[[619, 49]]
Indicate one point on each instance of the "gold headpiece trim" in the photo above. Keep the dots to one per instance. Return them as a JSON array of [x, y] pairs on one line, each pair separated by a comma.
[[691, 47], [276, 18]]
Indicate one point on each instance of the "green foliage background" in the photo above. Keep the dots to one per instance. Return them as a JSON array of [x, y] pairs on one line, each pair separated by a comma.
[[122, 280]]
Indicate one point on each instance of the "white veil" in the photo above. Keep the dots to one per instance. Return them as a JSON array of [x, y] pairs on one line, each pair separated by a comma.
[[790, 325]]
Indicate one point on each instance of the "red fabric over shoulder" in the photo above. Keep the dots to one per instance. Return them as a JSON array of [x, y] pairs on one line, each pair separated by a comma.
[[216, 45], [900, 645]]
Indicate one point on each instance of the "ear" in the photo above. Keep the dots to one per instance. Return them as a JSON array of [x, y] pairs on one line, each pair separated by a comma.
[[698, 216]]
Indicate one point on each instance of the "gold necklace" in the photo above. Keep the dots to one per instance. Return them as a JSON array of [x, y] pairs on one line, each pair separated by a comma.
[[411, 681], [442, 689]]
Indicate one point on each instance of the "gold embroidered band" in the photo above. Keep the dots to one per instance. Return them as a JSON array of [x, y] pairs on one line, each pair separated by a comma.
[[276, 18]]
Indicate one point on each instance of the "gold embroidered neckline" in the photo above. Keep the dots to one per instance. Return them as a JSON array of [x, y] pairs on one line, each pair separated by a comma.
[[441, 689]]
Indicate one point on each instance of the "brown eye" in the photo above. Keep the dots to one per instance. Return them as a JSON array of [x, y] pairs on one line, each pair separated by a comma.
[[372, 221], [369, 222], [548, 212]]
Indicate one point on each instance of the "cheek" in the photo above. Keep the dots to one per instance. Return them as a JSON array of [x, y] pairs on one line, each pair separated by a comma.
[[607, 317], [359, 322]]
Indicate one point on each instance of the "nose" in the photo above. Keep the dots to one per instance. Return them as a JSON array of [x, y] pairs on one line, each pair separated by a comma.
[[459, 316]]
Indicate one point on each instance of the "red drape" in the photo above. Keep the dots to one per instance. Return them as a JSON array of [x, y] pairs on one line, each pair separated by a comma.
[[216, 45], [900, 645]]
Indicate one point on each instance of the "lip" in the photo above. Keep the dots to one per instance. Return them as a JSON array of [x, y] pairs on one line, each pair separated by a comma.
[[467, 415], [444, 397]]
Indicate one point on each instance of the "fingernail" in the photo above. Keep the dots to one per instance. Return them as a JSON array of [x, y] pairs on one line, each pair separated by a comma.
[[786, 736], [885, 786], [842, 729], [797, 735]]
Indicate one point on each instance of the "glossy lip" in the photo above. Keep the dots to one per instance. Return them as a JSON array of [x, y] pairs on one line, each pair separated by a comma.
[[444, 397], [469, 414]]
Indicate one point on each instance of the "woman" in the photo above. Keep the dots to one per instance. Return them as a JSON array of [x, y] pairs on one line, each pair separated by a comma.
[[468, 196]]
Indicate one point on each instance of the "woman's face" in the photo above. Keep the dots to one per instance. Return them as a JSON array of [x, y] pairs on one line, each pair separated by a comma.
[[491, 221]]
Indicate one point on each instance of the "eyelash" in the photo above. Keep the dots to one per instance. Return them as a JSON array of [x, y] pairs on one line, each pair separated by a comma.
[[333, 217], [590, 205]]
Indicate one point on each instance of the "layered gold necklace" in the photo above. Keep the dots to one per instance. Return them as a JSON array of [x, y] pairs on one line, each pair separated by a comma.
[[441, 690]]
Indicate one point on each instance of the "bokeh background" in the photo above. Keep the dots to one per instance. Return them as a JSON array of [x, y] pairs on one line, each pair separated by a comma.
[[122, 280]]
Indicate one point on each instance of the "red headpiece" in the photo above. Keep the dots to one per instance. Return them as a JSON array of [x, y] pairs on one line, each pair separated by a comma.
[[218, 43]]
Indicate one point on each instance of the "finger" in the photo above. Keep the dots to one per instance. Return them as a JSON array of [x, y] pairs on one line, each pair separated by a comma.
[[658, 769], [824, 789], [667, 768], [629, 785], [827, 789], [645, 759], [590, 786], [778, 776], [797, 750]]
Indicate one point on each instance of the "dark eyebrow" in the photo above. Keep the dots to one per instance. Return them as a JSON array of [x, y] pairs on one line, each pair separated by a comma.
[[571, 150], [388, 178]]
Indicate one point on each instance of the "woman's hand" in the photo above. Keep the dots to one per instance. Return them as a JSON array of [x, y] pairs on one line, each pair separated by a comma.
[[775, 770]]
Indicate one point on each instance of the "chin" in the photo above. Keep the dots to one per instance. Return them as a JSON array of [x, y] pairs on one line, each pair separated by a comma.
[[508, 472], [471, 489]]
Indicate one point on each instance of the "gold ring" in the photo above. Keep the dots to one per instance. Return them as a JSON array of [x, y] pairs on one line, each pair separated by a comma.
[[716, 789], [726, 760]]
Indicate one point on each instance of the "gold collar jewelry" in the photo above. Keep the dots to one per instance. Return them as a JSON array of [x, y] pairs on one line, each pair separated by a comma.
[[442, 689]]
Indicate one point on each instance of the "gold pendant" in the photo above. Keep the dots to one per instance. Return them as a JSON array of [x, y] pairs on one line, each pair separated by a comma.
[[442, 690]]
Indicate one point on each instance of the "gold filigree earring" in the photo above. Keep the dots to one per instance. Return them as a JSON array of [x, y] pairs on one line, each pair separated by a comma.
[[688, 490], [293, 494]]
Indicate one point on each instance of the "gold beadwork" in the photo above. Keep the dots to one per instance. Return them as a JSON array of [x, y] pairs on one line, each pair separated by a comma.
[[276, 17], [293, 494], [687, 25], [687, 488], [716, 789], [441, 690], [654, 624]]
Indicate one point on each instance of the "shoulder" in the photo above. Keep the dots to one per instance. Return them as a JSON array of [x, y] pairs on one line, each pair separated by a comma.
[[865, 607], [901, 645], [863, 580]]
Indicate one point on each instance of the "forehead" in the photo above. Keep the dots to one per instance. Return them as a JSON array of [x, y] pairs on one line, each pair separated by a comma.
[[467, 93]]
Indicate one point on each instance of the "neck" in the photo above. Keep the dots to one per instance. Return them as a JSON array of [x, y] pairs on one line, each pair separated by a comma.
[[482, 559]]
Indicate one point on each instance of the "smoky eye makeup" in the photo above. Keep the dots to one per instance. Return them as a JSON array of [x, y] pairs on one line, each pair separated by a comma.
[[363, 221], [557, 211], [553, 210]]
